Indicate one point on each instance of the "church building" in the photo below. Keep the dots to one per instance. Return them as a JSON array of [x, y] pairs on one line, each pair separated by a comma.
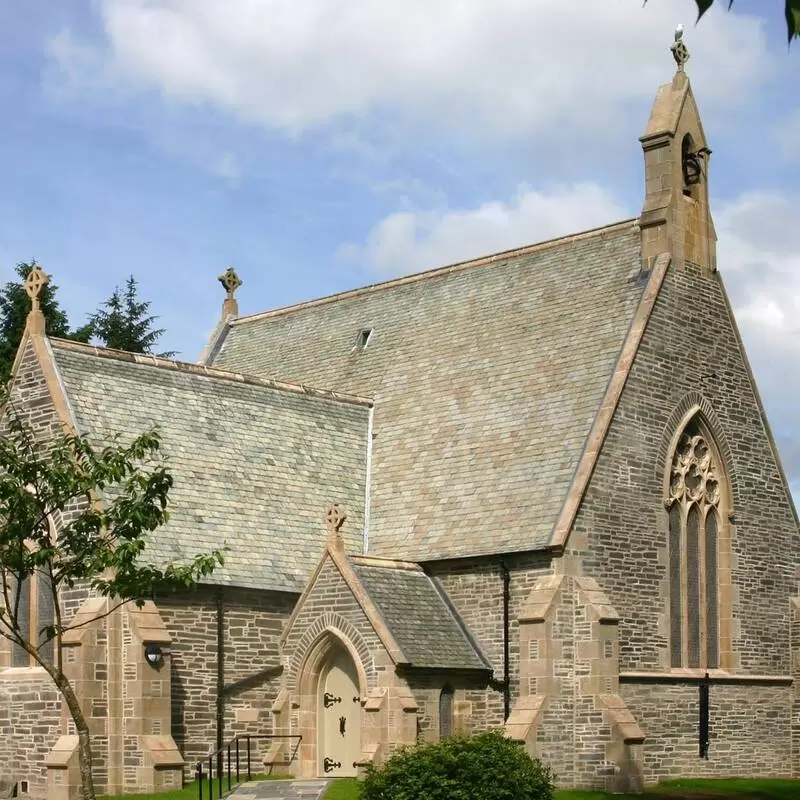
[[534, 491]]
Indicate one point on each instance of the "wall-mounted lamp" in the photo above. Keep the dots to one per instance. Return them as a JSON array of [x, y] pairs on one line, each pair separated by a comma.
[[153, 654]]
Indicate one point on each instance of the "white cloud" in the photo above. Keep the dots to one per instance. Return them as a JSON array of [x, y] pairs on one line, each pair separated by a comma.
[[759, 258], [407, 241], [507, 67]]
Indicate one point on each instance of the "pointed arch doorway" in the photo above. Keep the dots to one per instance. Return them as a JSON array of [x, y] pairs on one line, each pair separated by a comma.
[[338, 715]]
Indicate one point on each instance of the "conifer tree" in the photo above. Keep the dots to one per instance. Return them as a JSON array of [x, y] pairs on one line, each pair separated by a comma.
[[123, 322], [14, 307]]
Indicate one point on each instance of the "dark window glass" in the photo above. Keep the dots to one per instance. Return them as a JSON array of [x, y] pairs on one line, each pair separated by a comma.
[[19, 657], [446, 713], [675, 610], [46, 615], [693, 585], [712, 600]]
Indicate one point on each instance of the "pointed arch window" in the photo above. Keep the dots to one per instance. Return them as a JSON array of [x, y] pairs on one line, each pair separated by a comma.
[[695, 506], [33, 606], [35, 612]]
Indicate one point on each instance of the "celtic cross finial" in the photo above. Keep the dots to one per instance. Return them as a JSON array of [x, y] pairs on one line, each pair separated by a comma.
[[679, 50], [334, 519], [37, 279], [230, 281]]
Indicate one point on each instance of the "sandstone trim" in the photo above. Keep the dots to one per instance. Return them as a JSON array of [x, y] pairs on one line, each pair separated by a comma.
[[605, 415], [692, 403], [694, 675], [340, 561]]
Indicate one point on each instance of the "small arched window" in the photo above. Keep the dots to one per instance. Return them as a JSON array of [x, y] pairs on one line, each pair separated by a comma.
[[446, 712], [696, 516]]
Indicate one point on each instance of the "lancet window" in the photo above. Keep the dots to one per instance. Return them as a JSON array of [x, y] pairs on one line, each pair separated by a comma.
[[446, 712], [35, 612], [695, 519]]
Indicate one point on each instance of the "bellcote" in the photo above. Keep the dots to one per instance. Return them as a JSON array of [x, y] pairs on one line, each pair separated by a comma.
[[676, 217]]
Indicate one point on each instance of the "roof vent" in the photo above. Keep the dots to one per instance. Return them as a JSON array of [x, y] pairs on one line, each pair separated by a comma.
[[362, 340]]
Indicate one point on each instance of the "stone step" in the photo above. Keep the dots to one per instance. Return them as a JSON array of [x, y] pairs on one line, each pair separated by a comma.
[[279, 790]]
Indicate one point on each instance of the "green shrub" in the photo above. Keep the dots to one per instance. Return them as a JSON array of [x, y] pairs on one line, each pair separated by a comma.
[[484, 767]]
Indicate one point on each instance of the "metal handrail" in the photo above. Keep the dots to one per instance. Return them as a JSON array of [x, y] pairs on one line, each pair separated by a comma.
[[225, 751]]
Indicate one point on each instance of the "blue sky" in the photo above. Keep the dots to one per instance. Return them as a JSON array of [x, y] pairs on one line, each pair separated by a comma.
[[321, 147]]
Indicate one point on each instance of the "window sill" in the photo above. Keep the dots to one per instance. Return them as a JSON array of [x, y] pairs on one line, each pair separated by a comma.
[[697, 675], [23, 673]]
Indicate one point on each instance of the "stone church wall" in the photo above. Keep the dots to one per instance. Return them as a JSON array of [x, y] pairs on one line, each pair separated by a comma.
[[475, 588], [30, 706], [470, 711], [30, 723], [689, 352], [253, 622], [749, 727], [331, 593]]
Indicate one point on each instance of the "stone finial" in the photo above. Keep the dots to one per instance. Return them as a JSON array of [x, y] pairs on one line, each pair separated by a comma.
[[230, 282], [334, 519], [37, 279], [679, 50]]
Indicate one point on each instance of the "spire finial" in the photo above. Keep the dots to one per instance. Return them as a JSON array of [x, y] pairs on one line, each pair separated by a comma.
[[334, 519], [679, 50], [230, 282], [37, 279]]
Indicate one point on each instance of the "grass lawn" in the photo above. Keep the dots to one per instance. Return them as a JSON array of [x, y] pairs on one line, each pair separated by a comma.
[[733, 789], [752, 789], [188, 792]]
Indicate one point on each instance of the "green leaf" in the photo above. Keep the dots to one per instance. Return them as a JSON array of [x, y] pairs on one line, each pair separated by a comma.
[[792, 19]]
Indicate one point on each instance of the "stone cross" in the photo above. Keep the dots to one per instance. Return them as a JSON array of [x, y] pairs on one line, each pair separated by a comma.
[[37, 279], [230, 281], [334, 519], [679, 50]]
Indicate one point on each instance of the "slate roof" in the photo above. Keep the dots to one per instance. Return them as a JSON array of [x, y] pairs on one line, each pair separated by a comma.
[[486, 378], [424, 624], [254, 466]]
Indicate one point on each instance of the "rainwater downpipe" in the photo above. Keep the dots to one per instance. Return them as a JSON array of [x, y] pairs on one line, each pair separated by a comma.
[[506, 640], [220, 677], [368, 481]]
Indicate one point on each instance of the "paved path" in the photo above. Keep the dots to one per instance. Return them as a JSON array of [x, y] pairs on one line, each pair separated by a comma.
[[279, 790]]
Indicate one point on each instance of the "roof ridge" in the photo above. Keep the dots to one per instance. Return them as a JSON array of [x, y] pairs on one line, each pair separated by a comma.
[[458, 266], [386, 563], [188, 367]]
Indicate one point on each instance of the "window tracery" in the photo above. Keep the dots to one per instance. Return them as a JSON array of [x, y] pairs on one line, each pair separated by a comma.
[[694, 505]]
